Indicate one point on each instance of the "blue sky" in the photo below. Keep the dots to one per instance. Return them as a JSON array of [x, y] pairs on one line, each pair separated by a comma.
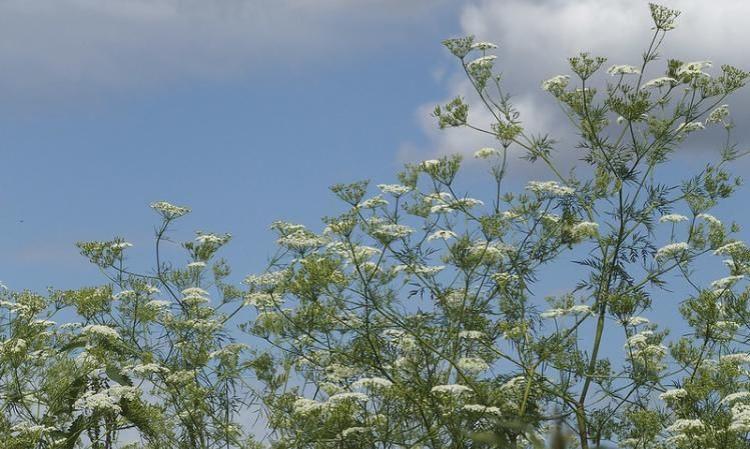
[[247, 111]]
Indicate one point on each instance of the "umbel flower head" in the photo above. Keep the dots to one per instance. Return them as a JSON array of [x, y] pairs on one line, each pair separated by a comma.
[[169, 211], [664, 18]]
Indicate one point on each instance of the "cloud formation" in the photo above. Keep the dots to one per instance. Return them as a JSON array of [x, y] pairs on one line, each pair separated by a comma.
[[536, 37]]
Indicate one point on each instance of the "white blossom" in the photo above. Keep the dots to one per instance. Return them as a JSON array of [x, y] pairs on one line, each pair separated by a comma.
[[442, 234], [451, 389], [623, 70], [672, 218], [671, 250], [485, 153], [659, 82]]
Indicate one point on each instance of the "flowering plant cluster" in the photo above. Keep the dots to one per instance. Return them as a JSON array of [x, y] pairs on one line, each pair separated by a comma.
[[413, 319]]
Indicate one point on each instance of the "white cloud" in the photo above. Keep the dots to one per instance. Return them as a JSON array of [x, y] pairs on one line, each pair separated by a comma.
[[58, 47], [536, 37]]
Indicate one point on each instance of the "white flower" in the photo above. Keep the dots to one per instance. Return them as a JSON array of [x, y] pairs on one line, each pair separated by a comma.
[[441, 234], [659, 82], [304, 406], [740, 418], [373, 202], [301, 240], [472, 365], [169, 211], [158, 304], [107, 399], [353, 430], [485, 153], [585, 229], [693, 69], [482, 62], [212, 239], [675, 393], [196, 265], [471, 335], [726, 282], [672, 218], [689, 127], [556, 84], [731, 249], [549, 188], [671, 250], [451, 389], [372, 382], [484, 409], [148, 368], [683, 425], [637, 321], [710, 219], [483, 46], [348, 396], [430, 163], [394, 189], [100, 330], [718, 115], [554, 313], [121, 245], [737, 358], [623, 70], [734, 397]]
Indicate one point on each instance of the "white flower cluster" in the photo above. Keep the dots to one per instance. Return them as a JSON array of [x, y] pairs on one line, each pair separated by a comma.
[[372, 383], [580, 309], [391, 231], [734, 397], [471, 335], [394, 189], [680, 426], [148, 368], [100, 330], [585, 229], [483, 46], [640, 346], [106, 400], [740, 418], [623, 70], [552, 188], [195, 296], [472, 365], [212, 239], [731, 249], [689, 127], [693, 69], [726, 282], [451, 389], [671, 250], [672, 218], [556, 84], [373, 202], [441, 234], [486, 153], [718, 114], [736, 358], [482, 62], [482, 409], [169, 211], [659, 82], [304, 406], [348, 396], [673, 394], [301, 239]]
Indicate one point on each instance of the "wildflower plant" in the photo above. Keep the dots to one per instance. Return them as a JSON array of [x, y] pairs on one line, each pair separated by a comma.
[[416, 318]]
